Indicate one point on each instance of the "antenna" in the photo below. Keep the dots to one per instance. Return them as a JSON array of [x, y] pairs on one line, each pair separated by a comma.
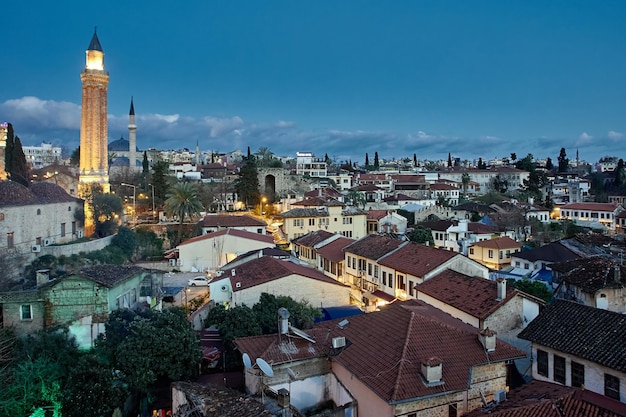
[[265, 367], [246, 361]]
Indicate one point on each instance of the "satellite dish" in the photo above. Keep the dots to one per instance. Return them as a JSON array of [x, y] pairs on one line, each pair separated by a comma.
[[265, 367], [246, 361], [283, 313]]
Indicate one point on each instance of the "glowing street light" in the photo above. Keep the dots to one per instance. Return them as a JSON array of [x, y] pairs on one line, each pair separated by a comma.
[[263, 200], [134, 202], [153, 211]]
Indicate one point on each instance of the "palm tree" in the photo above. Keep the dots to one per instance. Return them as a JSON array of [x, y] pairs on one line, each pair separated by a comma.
[[264, 155], [183, 201], [357, 198]]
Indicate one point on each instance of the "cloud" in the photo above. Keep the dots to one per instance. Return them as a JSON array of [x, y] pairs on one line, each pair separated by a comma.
[[36, 120], [584, 138]]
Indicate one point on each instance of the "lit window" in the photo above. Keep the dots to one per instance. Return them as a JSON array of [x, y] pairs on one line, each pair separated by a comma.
[[10, 242]]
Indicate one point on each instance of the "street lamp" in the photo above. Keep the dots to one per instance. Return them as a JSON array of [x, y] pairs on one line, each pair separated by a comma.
[[263, 200], [134, 202], [153, 212]]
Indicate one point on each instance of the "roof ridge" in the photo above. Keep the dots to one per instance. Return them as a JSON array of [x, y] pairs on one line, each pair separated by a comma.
[[403, 355]]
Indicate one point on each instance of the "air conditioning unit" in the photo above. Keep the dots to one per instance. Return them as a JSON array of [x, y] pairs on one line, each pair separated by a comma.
[[339, 342], [48, 241], [179, 262], [499, 396], [35, 248], [172, 262]]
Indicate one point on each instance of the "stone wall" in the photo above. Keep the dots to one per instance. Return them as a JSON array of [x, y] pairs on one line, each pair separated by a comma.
[[507, 317], [75, 248]]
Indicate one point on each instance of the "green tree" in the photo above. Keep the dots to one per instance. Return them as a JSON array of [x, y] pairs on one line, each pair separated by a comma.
[[536, 288], [620, 174], [449, 160], [302, 314], [563, 161], [499, 184], [264, 156], [247, 183], [8, 150], [150, 345], [481, 164], [421, 234], [17, 169], [376, 162], [513, 156], [527, 163], [159, 181], [408, 215], [356, 198], [549, 164], [465, 180], [367, 159], [75, 157], [414, 159], [239, 321], [126, 240], [182, 201], [149, 245], [92, 389], [107, 210]]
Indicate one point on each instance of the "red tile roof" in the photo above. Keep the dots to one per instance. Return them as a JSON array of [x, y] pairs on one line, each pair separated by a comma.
[[544, 399], [473, 295], [385, 349], [376, 214], [231, 232], [265, 269], [333, 251], [443, 187], [416, 259], [224, 220], [480, 228], [592, 274], [590, 206], [312, 238], [373, 246], [499, 243]]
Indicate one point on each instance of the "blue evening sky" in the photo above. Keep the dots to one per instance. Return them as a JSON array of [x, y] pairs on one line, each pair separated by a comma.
[[342, 77]]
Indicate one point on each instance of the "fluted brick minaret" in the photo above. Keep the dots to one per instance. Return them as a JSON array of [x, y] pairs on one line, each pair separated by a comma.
[[94, 163]]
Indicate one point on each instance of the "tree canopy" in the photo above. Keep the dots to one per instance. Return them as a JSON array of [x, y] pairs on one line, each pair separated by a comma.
[[563, 161], [182, 202], [14, 159], [247, 184], [421, 235]]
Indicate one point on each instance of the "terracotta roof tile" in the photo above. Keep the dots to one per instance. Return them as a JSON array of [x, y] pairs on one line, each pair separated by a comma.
[[231, 232], [265, 269], [416, 259], [224, 220], [110, 275], [590, 206], [406, 333], [376, 214], [373, 246], [499, 243], [589, 333], [473, 295], [552, 252], [312, 238], [333, 251], [592, 274]]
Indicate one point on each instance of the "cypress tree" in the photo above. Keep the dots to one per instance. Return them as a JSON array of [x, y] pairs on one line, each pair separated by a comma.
[[19, 167], [8, 151], [414, 160], [376, 163], [367, 159], [449, 160]]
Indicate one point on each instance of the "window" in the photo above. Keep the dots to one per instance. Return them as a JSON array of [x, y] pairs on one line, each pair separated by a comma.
[[490, 254], [559, 369], [376, 271], [384, 278], [62, 229], [69, 208], [611, 386], [452, 410], [471, 251], [500, 254], [526, 265], [38, 212], [10, 242], [311, 222], [542, 362], [74, 228], [26, 312], [517, 264], [1, 216], [369, 269], [578, 374], [298, 222]]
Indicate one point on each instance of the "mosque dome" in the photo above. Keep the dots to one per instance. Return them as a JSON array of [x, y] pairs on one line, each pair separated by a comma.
[[120, 145]]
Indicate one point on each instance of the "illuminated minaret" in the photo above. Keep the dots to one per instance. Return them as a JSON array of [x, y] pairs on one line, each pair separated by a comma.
[[94, 163], [132, 138]]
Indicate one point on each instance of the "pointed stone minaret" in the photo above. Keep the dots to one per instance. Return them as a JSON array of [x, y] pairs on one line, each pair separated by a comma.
[[197, 154], [132, 138]]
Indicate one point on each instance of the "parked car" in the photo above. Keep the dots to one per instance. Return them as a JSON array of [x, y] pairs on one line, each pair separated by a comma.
[[200, 281]]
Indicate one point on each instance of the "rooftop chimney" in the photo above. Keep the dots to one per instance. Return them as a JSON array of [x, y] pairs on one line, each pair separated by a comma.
[[487, 338], [43, 276], [432, 370], [501, 294]]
